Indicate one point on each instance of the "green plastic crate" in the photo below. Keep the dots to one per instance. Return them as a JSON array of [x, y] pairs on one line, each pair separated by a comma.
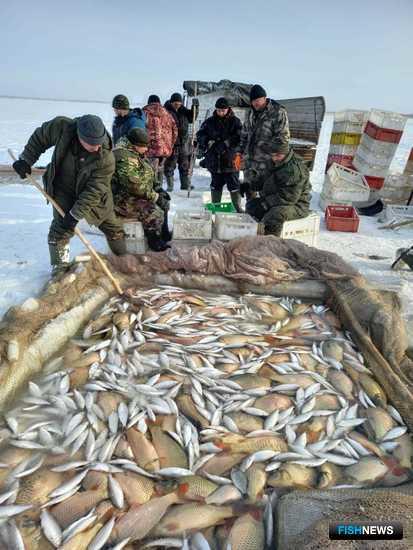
[[220, 207]]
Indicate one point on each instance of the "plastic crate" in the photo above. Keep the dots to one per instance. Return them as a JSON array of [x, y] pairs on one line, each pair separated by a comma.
[[370, 165], [345, 139], [374, 182], [134, 237], [382, 134], [353, 116], [346, 127], [397, 213], [233, 226], [381, 149], [395, 195], [342, 218], [193, 225], [343, 150], [344, 184], [343, 160], [223, 207], [305, 230], [387, 119], [325, 200]]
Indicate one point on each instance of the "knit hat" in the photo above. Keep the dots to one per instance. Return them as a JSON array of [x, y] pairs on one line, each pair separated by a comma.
[[120, 102], [176, 97], [138, 136], [222, 103], [91, 129], [153, 99], [256, 92]]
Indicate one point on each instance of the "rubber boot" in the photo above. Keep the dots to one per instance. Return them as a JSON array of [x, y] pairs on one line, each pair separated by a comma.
[[170, 183], [59, 257], [185, 182], [216, 195], [118, 247], [155, 242], [166, 235], [236, 201]]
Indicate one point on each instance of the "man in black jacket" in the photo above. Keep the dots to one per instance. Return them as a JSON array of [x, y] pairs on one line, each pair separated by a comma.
[[218, 139], [181, 154]]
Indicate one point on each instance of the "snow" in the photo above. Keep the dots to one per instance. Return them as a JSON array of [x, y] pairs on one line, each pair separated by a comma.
[[25, 217]]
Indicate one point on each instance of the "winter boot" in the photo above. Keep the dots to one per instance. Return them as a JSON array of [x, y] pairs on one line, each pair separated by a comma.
[[170, 183], [155, 242], [185, 182], [236, 201], [59, 257], [118, 247], [216, 195], [166, 235]]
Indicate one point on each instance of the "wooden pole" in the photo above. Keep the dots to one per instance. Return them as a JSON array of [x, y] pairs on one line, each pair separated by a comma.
[[77, 231], [191, 167]]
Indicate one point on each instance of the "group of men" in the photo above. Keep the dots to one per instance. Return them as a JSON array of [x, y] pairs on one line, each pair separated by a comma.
[[276, 181], [106, 180]]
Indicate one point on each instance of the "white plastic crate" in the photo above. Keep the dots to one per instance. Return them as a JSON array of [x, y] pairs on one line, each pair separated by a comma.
[[397, 213], [395, 195], [305, 230], [349, 150], [234, 226], [134, 237], [193, 225], [346, 127], [344, 184], [369, 166], [399, 180], [378, 148], [387, 119], [353, 116]]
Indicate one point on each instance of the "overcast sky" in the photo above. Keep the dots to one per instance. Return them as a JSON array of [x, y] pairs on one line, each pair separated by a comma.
[[356, 53]]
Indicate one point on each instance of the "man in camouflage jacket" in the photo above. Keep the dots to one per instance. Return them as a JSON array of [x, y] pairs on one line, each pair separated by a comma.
[[134, 191], [78, 178], [265, 131], [284, 195]]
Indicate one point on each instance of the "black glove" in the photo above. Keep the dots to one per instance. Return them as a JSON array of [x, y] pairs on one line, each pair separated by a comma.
[[164, 194], [195, 102], [22, 168], [163, 200], [257, 208], [69, 222]]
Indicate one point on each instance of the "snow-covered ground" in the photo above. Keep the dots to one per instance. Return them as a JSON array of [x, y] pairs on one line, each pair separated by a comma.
[[25, 217]]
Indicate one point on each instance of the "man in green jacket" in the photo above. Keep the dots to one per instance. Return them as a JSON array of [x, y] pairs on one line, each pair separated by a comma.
[[78, 178], [284, 192]]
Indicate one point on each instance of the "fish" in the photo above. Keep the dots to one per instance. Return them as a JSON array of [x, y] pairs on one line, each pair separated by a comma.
[[247, 532], [252, 444], [139, 520], [137, 489], [224, 495], [367, 471], [373, 390], [379, 422], [257, 480], [195, 488], [191, 517], [51, 528], [143, 450], [76, 506], [294, 476], [330, 475], [170, 453]]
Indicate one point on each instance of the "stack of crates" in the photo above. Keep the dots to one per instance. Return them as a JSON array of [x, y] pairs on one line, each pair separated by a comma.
[[380, 139], [343, 186], [397, 188], [348, 127]]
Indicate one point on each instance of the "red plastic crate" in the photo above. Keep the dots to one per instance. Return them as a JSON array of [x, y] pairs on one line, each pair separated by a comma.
[[374, 182], [343, 160], [342, 218], [382, 134]]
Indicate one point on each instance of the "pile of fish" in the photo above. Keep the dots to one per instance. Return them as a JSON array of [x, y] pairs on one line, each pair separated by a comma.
[[179, 417]]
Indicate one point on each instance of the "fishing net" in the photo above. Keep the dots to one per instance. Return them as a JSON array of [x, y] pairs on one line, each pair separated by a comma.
[[303, 517]]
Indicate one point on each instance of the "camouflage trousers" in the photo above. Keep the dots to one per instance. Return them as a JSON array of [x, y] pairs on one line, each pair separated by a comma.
[[275, 217], [179, 157], [147, 212], [111, 227]]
